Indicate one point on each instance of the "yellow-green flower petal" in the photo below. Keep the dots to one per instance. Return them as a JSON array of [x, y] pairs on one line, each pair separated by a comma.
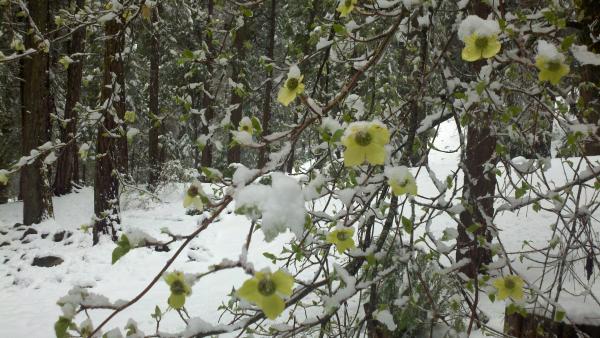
[[409, 188], [480, 47], [130, 117], [381, 135], [470, 52], [401, 180], [286, 96], [353, 156], [193, 197], [375, 154], [176, 301], [292, 87], [365, 141], [272, 306], [187, 201], [551, 70], [342, 239], [3, 177], [246, 125], [492, 49], [509, 286], [345, 7], [249, 291], [177, 283], [265, 290], [179, 289], [284, 282]]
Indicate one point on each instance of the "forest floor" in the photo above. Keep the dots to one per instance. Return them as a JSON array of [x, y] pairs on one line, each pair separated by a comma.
[[29, 293]]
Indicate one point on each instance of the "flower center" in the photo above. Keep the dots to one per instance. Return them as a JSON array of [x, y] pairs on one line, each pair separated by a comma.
[[509, 283], [348, 3], [553, 66], [177, 287], [403, 183], [292, 83], [342, 236], [363, 138], [245, 128], [193, 191], [266, 287], [481, 42]]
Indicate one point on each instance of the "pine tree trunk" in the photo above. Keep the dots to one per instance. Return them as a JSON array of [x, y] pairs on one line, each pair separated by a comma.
[[207, 101], [109, 158], [156, 127], [479, 182], [35, 119], [266, 117], [590, 16], [233, 153], [9, 126], [67, 164], [289, 165]]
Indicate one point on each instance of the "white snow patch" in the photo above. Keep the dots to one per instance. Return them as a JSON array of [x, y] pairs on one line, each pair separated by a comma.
[[548, 51], [584, 56], [281, 205], [386, 318], [473, 24]]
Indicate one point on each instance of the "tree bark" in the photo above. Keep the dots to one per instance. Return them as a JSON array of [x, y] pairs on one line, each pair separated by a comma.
[[233, 153], [314, 8], [479, 182], [68, 162], [156, 126], [10, 150], [590, 16], [35, 119], [266, 116], [207, 100], [109, 158]]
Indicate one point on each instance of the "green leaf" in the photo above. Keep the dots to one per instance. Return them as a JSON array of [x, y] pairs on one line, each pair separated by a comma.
[[270, 256], [61, 326], [511, 308], [130, 330], [337, 136], [117, 253], [449, 181], [65, 61], [122, 249], [187, 54], [246, 12], [473, 227], [339, 29], [520, 192], [256, 125], [480, 87], [567, 42], [407, 225], [559, 315], [460, 95], [157, 314]]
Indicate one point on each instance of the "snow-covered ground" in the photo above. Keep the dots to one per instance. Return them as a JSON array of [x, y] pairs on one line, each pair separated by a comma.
[[28, 307], [29, 294]]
